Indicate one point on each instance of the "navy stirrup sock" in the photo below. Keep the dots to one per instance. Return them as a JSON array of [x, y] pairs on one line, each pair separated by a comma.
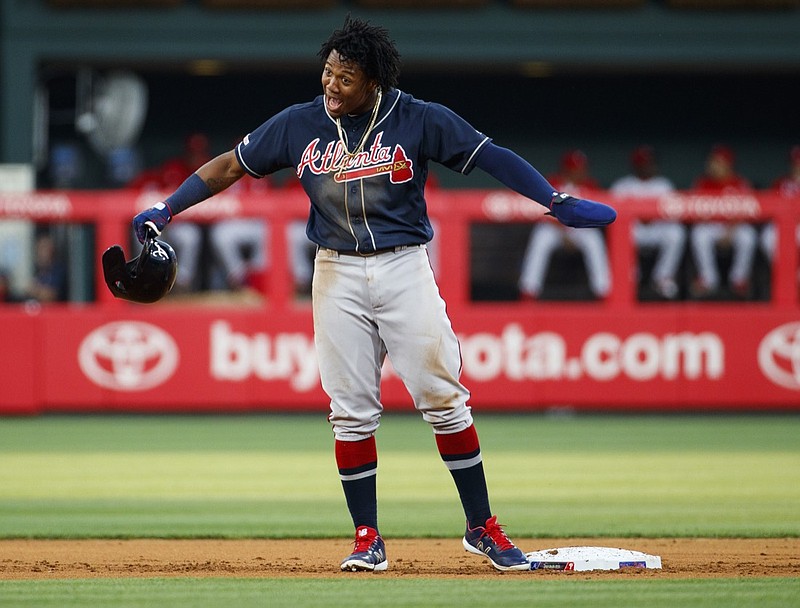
[[358, 468], [461, 453]]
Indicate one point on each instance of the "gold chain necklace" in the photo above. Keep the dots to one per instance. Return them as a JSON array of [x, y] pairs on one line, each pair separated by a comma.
[[359, 148]]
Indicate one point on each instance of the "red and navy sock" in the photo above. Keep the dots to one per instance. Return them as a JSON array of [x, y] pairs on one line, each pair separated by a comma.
[[461, 453], [358, 468]]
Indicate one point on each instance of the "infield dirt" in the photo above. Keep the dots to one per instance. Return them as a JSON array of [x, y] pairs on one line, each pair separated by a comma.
[[428, 558]]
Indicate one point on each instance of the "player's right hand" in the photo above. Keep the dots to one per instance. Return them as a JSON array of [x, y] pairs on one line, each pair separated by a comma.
[[157, 217]]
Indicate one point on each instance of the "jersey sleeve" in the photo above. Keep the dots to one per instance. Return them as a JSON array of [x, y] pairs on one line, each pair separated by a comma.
[[266, 149], [450, 140]]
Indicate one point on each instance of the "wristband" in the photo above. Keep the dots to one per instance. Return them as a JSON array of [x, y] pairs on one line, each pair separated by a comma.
[[192, 191]]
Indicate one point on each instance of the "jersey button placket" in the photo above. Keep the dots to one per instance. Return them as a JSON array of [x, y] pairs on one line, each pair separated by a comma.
[[356, 219]]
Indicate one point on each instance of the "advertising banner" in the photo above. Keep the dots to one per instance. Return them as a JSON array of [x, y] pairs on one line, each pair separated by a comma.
[[220, 361], [618, 353]]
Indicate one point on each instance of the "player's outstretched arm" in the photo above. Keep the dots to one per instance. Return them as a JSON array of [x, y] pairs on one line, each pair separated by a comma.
[[221, 172], [518, 174], [213, 177]]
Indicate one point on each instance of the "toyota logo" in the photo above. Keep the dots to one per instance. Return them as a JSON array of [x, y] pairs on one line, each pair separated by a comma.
[[779, 355], [128, 356]]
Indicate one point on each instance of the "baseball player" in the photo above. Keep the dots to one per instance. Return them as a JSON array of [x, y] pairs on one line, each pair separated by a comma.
[[666, 237], [546, 237], [361, 151]]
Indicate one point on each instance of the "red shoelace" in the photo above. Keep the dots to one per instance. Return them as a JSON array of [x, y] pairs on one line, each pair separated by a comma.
[[495, 532]]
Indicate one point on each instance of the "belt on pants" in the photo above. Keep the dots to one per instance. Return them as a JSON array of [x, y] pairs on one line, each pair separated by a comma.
[[359, 254]]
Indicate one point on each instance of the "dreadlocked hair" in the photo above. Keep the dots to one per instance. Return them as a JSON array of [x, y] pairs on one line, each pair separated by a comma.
[[367, 46]]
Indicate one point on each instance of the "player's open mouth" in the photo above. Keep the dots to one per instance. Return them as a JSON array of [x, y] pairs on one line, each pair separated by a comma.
[[334, 104]]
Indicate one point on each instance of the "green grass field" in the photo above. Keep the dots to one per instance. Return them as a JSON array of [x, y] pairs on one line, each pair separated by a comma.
[[427, 593], [274, 476]]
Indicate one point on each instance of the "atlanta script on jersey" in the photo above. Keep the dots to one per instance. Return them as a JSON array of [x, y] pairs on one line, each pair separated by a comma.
[[375, 199]]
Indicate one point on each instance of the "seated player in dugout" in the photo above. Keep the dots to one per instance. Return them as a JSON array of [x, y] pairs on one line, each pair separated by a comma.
[[361, 151], [546, 238], [707, 239]]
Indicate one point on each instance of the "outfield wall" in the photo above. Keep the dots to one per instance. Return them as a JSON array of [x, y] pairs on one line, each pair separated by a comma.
[[616, 354]]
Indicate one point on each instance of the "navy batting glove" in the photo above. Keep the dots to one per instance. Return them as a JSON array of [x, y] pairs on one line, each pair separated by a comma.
[[157, 217], [580, 213]]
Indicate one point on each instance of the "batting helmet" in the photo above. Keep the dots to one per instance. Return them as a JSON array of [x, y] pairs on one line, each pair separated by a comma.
[[146, 278]]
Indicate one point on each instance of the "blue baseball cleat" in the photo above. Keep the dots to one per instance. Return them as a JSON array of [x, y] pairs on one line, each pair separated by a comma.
[[369, 552], [491, 542]]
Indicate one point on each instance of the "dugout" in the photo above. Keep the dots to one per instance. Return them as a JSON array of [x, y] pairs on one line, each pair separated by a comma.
[[602, 76], [679, 77]]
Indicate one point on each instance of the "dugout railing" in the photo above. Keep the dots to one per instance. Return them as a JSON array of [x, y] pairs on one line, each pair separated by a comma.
[[232, 354]]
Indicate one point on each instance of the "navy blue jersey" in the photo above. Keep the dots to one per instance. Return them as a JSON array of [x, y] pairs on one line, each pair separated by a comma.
[[375, 199]]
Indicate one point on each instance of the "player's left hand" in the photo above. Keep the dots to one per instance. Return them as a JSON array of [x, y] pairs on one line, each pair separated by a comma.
[[580, 213], [156, 217]]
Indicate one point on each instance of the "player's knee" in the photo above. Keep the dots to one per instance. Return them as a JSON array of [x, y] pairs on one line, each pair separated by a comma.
[[448, 420]]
